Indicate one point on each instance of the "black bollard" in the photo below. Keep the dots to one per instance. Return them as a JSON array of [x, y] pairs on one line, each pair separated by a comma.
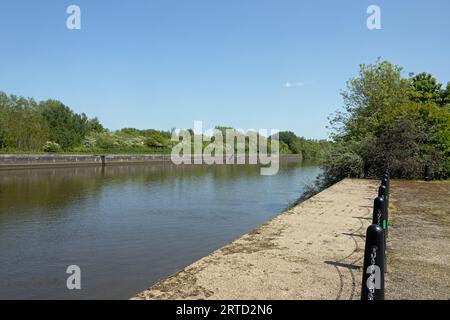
[[374, 265], [382, 193], [386, 177], [426, 173], [385, 182], [379, 214], [384, 220]]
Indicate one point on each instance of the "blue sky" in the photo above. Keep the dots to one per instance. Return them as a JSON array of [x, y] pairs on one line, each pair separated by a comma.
[[162, 64]]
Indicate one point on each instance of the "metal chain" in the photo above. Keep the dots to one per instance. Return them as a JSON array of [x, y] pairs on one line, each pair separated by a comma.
[[371, 279]]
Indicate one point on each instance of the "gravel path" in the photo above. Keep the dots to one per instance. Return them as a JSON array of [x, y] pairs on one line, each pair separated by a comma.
[[312, 251]]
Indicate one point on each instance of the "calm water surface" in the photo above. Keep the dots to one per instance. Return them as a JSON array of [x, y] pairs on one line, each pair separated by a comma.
[[127, 226]]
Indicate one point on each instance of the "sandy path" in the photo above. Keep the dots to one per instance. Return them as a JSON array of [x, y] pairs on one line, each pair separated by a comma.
[[312, 251]]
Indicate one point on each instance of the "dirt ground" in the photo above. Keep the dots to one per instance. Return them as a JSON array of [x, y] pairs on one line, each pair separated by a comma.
[[419, 241], [312, 251]]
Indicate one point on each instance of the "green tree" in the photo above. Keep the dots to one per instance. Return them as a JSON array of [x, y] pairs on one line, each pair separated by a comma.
[[22, 126], [294, 143], [379, 87], [67, 128], [389, 121], [446, 96], [426, 89], [94, 125]]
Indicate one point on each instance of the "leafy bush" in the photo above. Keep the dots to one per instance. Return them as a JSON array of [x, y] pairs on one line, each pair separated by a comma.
[[342, 162], [156, 139], [396, 148]]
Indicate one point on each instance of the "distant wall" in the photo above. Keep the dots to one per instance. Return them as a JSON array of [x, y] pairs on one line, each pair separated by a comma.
[[37, 160]]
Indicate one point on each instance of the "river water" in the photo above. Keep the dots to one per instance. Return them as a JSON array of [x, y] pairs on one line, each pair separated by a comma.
[[127, 227]]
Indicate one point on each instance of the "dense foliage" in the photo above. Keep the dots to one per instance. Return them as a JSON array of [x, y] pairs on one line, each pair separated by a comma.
[[50, 126], [309, 148], [390, 121]]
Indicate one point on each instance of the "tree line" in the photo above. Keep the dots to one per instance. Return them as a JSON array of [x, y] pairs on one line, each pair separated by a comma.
[[27, 125], [50, 126]]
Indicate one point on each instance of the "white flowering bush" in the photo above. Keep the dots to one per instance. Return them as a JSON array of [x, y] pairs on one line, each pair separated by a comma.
[[89, 142], [52, 147]]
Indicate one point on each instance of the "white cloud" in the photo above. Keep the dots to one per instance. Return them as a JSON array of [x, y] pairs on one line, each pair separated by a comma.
[[292, 84]]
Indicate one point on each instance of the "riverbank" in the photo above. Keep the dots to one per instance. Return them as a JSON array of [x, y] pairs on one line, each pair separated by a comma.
[[315, 250], [18, 161], [312, 251]]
